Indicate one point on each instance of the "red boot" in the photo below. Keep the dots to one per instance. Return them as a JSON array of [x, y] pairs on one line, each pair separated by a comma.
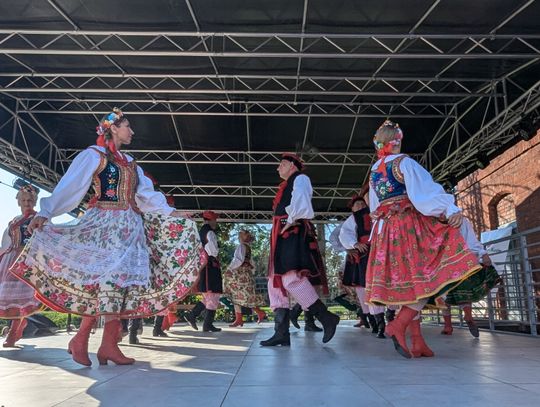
[[261, 315], [448, 329], [78, 346], [467, 314], [419, 347], [171, 317], [109, 349], [396, 330], [238, 321], [11, 337]]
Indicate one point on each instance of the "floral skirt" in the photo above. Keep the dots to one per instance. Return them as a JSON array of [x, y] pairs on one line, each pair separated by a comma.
[[414, 256], [112, 262], [16, 297], [474, 288], [239, 286]]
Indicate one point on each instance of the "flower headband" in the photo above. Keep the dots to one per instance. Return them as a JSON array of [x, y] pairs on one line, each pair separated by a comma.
[[396, 141], [106, 123], [29, 189]]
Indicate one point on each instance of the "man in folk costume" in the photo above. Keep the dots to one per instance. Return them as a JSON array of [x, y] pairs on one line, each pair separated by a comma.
[[295, 263], [354, 236], [210, 281]]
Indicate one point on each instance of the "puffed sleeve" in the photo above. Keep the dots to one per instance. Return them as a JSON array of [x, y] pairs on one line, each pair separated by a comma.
[[239, 257], [426, 195], [300, 206], [72, 187], [212, 246], [373, 200], [347, 236], [6, 242], [333, 239], [468, 234], [149, 200]]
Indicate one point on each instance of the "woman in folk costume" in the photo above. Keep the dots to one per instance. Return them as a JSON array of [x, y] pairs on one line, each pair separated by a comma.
[[16, 297], [473, 289], [239, 282], [354, 236], [413, 255], [110, 263], [210, 280]]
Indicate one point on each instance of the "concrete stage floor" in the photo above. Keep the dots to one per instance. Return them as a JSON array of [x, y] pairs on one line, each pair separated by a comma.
[[231, 369]]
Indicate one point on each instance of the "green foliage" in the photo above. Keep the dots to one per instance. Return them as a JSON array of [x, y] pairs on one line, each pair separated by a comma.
[[61, 319]]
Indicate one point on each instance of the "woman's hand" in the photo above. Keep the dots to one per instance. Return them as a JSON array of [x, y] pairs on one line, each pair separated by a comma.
[[36, 223], [361, 247], [287, 227], [455, 220]]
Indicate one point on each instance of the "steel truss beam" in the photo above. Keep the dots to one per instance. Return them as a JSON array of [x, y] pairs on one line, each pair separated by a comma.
[[248, 192], [496, 133], [258, 45], [326, 158], [235, 216]]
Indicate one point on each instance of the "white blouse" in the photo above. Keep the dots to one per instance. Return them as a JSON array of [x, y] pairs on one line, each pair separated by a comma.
[[300, 206], [73, 186], [347, 236], [427, 196], [239, 257], [211, 246], [468, 234]]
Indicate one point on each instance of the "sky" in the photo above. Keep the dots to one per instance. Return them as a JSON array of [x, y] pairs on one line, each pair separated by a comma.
[[8, 204]]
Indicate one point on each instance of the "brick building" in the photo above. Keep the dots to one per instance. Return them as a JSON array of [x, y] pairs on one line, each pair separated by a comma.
[[507, 190]]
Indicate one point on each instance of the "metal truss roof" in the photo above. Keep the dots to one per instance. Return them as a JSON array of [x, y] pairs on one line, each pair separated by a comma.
[[215, 91]]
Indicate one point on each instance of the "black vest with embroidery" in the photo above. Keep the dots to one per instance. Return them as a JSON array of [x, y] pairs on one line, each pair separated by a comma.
[[286, 196], [203, 233]]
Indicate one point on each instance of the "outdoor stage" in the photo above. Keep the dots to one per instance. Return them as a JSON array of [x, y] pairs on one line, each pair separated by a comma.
[[230, 369]]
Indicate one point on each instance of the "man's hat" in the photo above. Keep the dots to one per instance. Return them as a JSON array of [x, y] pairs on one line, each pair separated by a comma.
[[210, 215], [297, 161]]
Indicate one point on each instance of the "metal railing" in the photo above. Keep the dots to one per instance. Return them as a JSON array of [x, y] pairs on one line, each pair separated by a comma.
[[513, 306]]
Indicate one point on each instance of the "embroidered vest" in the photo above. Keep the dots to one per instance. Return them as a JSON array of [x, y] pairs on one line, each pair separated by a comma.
[[115, 185], [391, 185], [203, 234], [18, 231], [284, 195]]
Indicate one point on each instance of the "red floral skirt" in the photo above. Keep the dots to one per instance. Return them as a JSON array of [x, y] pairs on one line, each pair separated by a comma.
[[414, 256]]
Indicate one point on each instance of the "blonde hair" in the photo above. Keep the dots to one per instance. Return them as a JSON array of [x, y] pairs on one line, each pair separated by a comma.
[[386, 133]]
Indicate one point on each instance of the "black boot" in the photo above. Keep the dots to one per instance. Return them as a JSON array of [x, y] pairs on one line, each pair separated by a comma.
[[328, 320], [310, 326], [157, 331], [281, 329], [373, 323], [208, 324], [191, 317], [390, 315], [363, 320], [294, 314], [133, 328], [381, 325], [341, 300]]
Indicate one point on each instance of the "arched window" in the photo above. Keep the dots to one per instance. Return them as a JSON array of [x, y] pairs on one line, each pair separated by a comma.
[[502, 210]]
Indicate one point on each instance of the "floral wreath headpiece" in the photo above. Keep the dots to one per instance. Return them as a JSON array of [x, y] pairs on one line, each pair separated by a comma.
[[30, 190], [111, 119], [396, 141]]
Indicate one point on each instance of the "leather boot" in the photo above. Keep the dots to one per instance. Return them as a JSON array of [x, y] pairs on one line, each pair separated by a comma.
[[373, 323], [78, 345], [11, 337], [261, 315], [158, 330], [281, 329], [109, 349], [238, 321], [467, 314], [363, 320], [419, 347], [309, 325], [380, 325], [133, 327], [390, 315], [396, 330], [208, 324], [294, 314], [448, 328], [342, 300], [328, 320], [191, 316]]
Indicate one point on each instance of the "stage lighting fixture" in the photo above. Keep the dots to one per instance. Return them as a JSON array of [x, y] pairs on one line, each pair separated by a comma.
[[528, 127], [482, 160]]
